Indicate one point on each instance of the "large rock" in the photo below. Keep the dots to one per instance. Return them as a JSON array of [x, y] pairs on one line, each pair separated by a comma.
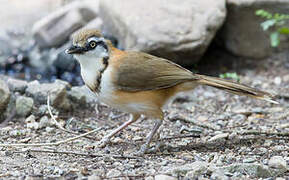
[[22, 14], [178, 30], [242, 34], [4, 96], [55, 29]]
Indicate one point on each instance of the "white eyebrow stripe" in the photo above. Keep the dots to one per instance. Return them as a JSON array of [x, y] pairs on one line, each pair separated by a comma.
[[95, 39]]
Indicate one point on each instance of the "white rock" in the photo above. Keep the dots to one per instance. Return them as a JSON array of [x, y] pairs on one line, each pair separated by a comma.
[[113, 173], [277, 80], [277, 162], [178, 30], [164, 177]]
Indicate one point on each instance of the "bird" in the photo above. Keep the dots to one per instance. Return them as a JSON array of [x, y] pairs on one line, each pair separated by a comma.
[[139, 83]]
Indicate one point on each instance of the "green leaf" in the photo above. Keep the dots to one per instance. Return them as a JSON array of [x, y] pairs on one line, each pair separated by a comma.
[[263, 13], [230, 75], [267, 24], [283, 30], [275, 40]]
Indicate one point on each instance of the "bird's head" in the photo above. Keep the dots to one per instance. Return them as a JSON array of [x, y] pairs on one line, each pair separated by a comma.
[[89, 43]]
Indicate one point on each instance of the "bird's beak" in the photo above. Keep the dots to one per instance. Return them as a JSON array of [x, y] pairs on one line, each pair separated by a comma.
[[74, 50]]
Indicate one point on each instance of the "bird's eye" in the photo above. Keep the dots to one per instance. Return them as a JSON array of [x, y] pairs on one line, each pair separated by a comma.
[[92, 44]]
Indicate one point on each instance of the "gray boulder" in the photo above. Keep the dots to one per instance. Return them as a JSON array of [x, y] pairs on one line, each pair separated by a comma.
[[4, 96], [54, 29], [242, 34], [178, 30]]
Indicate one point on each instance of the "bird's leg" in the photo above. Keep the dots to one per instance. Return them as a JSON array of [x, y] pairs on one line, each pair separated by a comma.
[[149, 138], [107, 138]]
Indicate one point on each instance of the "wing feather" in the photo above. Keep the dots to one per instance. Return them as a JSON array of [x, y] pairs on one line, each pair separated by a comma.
[[140, 71]]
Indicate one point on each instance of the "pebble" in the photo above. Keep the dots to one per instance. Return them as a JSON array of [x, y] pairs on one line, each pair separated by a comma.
[[49, 129], [219, 175], [17, 85], [24, 106], [277, 80], [113, 173], [249, 160], [277, 162], [45, 122], [33, 125], [218, 137], [164, 177], [30, 119]]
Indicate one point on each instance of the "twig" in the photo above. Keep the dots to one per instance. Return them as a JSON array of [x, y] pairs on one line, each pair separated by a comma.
[[181, 136], [51, 144], [56, 122], [267, 133], [78, 153], [53, 118], [189, 120], [173, 137], [259, 132]]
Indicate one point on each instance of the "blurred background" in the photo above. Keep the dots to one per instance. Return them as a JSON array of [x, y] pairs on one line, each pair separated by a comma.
[[34, 34], [238, 137]]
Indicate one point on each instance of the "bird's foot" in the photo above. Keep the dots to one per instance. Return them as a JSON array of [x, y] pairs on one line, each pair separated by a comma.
[[145, 149], [103, 142], [142, 150]]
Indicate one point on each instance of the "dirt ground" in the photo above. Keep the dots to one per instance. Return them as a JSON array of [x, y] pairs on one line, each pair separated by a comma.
[[206, 125]]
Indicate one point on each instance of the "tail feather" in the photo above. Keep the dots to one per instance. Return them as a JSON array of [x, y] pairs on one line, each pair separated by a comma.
[[236, 88]]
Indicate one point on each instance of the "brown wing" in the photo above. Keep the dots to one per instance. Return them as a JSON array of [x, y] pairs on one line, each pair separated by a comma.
[[141, 71]]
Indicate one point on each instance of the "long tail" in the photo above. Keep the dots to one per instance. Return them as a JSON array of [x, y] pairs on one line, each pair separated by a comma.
[[235, 88]]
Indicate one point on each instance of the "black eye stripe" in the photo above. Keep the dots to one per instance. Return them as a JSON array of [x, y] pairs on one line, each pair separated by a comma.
[[97, 43]]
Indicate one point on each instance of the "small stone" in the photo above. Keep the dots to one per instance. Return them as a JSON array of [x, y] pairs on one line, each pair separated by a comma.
[[197, 167], [219, 137], [113, 173], [286, 78], [277, 162], [219, 175], [277, 80], [249, 160], [17, 85], [149, 178], [4, 97], [39, 92], [33, 125], [24, 106], [252, 169], [94, 177], [84, 171], [117, 140], [49, 129], [30, 119], [82, 96], [164, 177]]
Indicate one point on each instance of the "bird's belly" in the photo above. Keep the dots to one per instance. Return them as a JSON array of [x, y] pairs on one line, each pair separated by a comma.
[[126, 105]]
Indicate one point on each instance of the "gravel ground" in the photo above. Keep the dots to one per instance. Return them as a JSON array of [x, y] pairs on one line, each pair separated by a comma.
[[207, 133]]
